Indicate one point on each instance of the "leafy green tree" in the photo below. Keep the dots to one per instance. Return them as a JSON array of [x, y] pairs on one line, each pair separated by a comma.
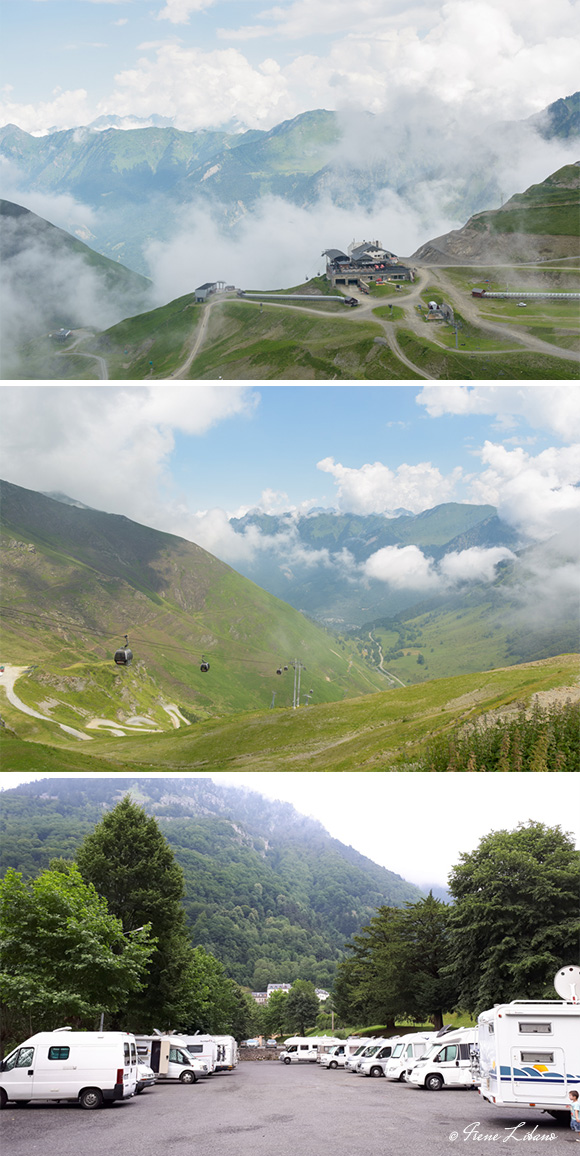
[[302, 1006], [130, 863], [275, 1013], [64, 955], [398, 966], [515, 920]]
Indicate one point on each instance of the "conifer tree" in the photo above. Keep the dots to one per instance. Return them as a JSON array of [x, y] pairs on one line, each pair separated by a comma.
[[130, 863]]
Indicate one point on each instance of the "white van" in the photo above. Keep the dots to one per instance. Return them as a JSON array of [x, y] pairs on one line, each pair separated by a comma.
[[447, 1063], [405, 1052], [376, 1058], [305, 1049], [92, 1068], [169, 1058]]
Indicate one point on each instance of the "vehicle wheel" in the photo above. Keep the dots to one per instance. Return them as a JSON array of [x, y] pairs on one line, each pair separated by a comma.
[[402, 1077], [376, 1072], [434, 1082], [188, 1078], [287, 1060], [138, 1091], [333, 1064], [3, 1098], [91, 1098]]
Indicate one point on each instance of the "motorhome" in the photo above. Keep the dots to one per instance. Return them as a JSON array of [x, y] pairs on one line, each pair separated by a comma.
[[448, 1062], [529, 1050], [203, 1049], [228, 1054], [352, 1060], [376, 1058], [338, 1055], [305, 1049], [92, 1068], [405, 1052], [169, 1058]]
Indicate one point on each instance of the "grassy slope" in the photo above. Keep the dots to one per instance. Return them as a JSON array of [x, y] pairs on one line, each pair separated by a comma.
[[373, 733], [91, 577]]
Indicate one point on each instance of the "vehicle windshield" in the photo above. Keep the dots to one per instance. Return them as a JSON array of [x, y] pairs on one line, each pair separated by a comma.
[[397, 1050], [372, 1051]]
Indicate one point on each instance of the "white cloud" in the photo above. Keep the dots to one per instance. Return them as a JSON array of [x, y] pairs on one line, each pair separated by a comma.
[[548, 407], [376, 489], [179, 11], [199, 89], [67, 110], [531, 493], [110, 446], [406, 567], [402, 567], [477, 564]]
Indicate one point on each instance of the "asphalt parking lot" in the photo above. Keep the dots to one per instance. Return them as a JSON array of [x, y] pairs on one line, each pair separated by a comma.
[[269, 1109]]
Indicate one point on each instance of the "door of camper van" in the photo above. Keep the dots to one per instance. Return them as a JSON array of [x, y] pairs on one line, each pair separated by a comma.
[[537, 1073]]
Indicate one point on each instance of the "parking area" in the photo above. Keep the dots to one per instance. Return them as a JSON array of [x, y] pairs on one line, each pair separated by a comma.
[[269, 1108]]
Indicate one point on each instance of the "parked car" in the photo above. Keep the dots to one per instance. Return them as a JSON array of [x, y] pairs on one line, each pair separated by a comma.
[[250, 1043], [271, 1043], [145, 1078]]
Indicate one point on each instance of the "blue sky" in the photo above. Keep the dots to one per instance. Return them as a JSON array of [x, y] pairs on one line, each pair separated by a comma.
[[247, 63], [165, 454]]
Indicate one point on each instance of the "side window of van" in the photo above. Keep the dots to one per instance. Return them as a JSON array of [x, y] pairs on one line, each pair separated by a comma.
[[176, 1056], [464, 1051], [304, 1047], [133, 1054], [127, 1054], [448, 1053], [58, 1053], [195, 1048]]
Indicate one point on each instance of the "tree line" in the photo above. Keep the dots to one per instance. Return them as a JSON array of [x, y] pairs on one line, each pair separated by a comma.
[[514, 921], [107, 936]]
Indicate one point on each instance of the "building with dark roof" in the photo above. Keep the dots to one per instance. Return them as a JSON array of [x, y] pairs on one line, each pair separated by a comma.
[[365, 261]]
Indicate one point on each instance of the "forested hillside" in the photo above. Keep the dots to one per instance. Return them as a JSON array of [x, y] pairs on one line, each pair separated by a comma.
[[268, 891]]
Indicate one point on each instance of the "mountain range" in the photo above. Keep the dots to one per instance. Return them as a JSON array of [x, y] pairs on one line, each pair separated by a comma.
[[268, 891], [76, 581], [136, 180]]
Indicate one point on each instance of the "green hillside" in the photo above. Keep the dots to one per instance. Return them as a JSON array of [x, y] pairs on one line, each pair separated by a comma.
[[268, 891], [550, 207], [75, 581], [378, 732]]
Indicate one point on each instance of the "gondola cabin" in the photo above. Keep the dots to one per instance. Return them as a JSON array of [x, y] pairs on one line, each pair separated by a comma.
[[123, 655], [204, 666]]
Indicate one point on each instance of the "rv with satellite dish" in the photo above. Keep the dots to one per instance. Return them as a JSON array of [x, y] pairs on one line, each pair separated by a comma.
[[529, 1050], [447, 1062]]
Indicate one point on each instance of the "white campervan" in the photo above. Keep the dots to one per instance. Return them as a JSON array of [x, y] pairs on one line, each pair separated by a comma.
[[335, 1057], [91, 1067], [228, 1053], [405, 1052], [352, 1061], [305, 1049], [376, 1058], [203, 1049], [448, 1062], [169, 1058], [529, 1050]]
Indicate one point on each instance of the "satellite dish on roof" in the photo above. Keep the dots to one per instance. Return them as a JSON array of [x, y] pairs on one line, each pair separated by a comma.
[[567, 983]]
